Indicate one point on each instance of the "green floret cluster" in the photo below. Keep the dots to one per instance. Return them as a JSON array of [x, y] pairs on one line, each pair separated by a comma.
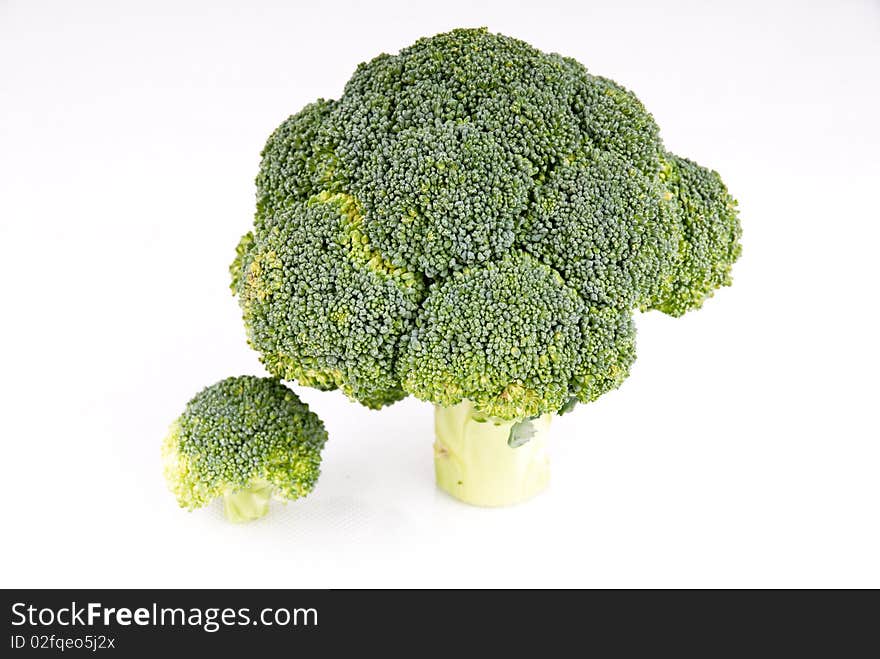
[[324, 308], [708, 234], [505, 336], [611, 263], [243, 434], [476, 220]]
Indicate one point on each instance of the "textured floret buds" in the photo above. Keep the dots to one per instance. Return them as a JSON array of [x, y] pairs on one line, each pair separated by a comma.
[[474, 219], [246, 439]]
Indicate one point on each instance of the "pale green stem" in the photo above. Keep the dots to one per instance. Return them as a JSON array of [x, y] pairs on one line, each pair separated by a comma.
[[248, 504], [474, 463]]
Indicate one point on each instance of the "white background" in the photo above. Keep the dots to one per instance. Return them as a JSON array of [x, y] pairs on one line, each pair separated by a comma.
[[742, 451]]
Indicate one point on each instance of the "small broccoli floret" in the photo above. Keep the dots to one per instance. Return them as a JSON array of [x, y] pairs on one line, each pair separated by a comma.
[[505, 336], [597, 220], [248, 440], [322, 306], [293, 165], [500, 85], [474, 222], [709, 233], [615, 120], [608, 351], [443, 197]]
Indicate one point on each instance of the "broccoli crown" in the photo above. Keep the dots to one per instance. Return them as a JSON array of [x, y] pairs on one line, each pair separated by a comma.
[[474, 219], [240, 432]]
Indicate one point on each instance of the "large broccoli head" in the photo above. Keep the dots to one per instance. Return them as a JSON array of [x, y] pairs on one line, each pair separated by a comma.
[[474, 220], [245, 439]]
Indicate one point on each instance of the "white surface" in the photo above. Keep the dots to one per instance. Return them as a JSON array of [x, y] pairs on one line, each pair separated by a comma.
[[742, 451]]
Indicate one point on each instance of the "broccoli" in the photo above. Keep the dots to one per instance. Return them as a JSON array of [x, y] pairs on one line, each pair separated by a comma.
[[247, 439], [474, 223]]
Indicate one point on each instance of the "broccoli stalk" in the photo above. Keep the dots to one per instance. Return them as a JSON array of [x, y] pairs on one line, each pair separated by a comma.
[[489, 462], [249, 503]]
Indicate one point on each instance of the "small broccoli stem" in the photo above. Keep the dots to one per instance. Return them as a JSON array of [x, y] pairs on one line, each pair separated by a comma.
[[474, 463], [248, 504]]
